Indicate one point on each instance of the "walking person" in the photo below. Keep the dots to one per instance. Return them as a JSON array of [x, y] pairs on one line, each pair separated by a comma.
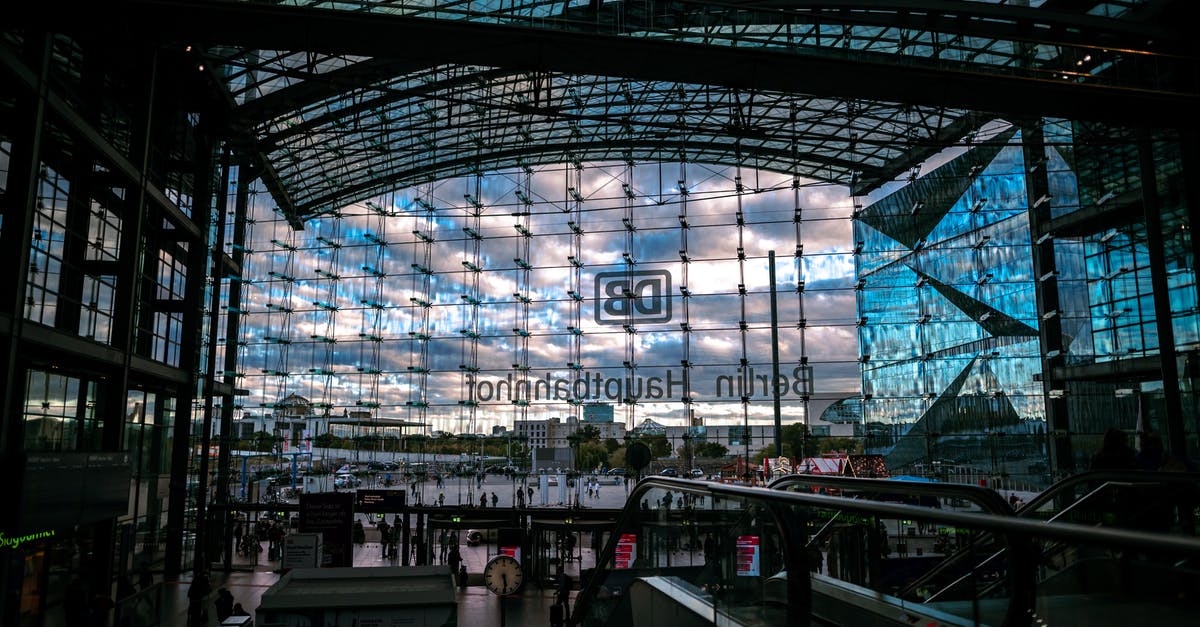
[[385, 538]]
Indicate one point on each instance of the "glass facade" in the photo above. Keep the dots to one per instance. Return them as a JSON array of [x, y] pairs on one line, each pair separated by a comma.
[[958, 365], [948, 322], [485, 300]]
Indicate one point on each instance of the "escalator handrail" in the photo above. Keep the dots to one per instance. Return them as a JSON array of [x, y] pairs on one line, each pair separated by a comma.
[[1108, 477], [1103, 477], [1012, 526], [629, 513], [987, 498]]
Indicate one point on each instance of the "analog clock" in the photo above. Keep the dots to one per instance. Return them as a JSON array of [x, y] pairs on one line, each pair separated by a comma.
[[503, 575]]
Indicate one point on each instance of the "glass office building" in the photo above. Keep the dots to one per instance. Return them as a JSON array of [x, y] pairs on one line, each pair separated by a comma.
[[948, 323], [993, 311]]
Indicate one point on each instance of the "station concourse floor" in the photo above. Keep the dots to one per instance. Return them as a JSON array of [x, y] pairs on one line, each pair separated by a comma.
[[476, 606]]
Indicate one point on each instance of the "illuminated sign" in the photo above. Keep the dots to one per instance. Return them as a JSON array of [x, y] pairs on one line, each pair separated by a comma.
[[14, 542], [747, 556], [626, 551]]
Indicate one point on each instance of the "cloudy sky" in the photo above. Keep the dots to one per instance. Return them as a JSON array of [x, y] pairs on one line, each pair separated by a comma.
[[330, 356]]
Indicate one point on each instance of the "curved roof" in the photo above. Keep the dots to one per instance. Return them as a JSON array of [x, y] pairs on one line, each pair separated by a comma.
[[338, 102]]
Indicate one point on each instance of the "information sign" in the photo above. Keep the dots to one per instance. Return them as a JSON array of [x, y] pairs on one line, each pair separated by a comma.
[[382, 501], [626, 551], [747, 556], [330, 514], [302, 550]]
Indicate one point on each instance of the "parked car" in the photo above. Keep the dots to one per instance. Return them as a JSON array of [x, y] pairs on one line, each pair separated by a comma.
[[669, 472], [616, 472], [697, 473], [346, 480]]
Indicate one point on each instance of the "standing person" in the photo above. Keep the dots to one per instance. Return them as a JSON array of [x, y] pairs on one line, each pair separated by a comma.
[[197, 592], [563, 595], [145, 579], [483, 500], [443, 540], [385, 538], [1114, 453], [223, 604], [495, 500], [454, 559]]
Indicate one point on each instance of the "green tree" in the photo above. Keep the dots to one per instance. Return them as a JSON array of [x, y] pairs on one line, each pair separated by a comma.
[[659, 445], [616, 457], [262, 442], [685, 454], [611, 445], [590, 455], [588, 433], [842, 445], [710, 450]]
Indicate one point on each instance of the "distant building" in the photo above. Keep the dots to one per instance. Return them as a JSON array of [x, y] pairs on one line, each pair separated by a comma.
[[597, 412], [555, 432], [947, 317], [292, 421]]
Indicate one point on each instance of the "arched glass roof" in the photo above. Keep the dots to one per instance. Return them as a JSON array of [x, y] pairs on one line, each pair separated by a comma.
[[342, 100]]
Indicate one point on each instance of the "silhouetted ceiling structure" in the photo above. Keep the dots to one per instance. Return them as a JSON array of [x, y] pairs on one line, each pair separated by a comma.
[[340, 101]]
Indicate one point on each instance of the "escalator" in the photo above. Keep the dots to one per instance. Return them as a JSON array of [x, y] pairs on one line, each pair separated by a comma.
[[716, 553]]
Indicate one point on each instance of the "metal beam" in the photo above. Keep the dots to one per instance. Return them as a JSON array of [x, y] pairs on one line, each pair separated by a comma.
[[541, 49], [697, 152]]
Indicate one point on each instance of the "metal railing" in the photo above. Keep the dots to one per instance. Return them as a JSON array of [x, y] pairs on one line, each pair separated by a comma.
[[784, 522]]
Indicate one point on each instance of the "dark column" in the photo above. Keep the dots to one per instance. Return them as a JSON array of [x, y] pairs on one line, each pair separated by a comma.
[[424, 542], [70, 282], [404, 539], [1037, 190], [1175, 441], [191, 342], [232, 331], [1190, 159], [17, 207]]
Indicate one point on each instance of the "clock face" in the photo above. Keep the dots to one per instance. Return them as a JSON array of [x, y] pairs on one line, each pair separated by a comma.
[[503, 575]]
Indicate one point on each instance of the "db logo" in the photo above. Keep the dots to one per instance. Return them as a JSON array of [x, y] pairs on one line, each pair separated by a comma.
[[638, 296]]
